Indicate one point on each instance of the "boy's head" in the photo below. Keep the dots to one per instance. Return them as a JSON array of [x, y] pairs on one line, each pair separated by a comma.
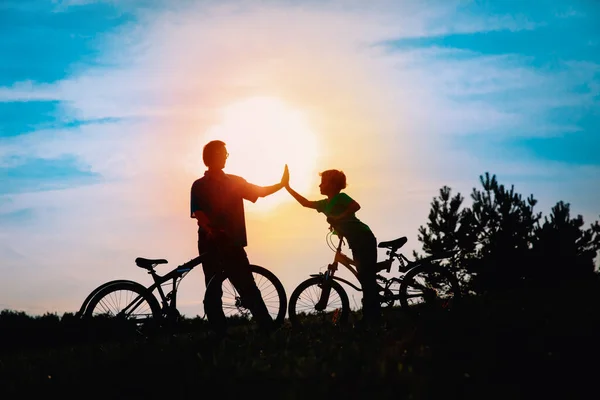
[[333, 180]]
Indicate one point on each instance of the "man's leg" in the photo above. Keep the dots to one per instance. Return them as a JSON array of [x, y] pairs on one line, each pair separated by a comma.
[[241, 277], [214, 308]]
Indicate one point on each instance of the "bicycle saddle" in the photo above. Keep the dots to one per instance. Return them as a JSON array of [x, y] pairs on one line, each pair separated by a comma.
[[148, 262], [393, 244]]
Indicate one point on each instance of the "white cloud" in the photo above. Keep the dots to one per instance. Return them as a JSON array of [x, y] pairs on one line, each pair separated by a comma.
[[29, 91]]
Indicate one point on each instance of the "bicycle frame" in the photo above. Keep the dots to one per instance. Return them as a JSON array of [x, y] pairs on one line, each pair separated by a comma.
[[169, 300], [341, 258], [404, 266]]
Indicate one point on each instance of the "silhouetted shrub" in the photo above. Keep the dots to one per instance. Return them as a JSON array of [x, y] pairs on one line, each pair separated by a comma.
[[502, 241]]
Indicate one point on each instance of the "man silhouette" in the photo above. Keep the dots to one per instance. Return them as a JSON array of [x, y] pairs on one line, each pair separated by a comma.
[[217, 203]]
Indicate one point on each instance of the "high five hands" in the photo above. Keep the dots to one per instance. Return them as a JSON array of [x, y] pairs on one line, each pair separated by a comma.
[[285, 179]]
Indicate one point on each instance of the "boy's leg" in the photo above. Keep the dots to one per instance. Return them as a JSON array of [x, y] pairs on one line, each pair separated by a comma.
[[366, 256]]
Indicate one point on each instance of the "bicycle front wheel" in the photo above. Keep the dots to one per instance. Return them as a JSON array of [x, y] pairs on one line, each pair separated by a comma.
[[270, 287], [429, 288], [304, 303], [127, 303]]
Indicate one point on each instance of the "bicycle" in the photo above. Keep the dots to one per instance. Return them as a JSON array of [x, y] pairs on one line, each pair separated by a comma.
[[130, 300], [420, 283]]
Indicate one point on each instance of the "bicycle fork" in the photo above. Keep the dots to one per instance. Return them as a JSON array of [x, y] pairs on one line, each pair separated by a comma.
[[326, 287]]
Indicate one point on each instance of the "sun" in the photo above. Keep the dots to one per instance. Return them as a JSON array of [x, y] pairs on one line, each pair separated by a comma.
[[263, 134]]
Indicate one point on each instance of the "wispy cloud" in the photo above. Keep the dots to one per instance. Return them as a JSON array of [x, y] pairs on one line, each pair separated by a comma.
[[39, 174], [29, 91], [126, 108]]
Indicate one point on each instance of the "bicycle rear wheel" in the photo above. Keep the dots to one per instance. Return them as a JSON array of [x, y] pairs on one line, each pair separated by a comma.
[[125, 306], [428, 288], [389, 291], [304, 299], [94, 292], [271, 290]]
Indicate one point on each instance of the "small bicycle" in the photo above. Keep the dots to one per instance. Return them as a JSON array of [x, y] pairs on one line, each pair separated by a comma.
[[129, 300], [422, 283]]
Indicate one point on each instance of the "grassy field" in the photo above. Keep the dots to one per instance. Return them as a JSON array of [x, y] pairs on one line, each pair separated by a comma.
[[513, 345]]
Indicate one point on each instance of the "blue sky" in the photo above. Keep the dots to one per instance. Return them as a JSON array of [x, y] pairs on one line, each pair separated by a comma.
[[91, 90], [560, 42], [45, 42]]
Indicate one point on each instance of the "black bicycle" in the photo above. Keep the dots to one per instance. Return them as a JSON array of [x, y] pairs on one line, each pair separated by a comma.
[[131, 301], [421, 284]]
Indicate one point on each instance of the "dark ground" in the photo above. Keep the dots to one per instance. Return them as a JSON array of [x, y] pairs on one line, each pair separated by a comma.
[[517, 344]]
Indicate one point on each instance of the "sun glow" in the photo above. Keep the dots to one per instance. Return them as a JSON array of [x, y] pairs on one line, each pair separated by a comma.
[[263, 134]]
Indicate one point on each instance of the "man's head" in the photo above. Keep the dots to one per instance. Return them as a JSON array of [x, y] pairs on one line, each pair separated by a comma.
[[215, 154]]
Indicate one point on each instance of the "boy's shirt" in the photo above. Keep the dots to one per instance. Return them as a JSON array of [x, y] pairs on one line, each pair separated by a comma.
[[349, 227]]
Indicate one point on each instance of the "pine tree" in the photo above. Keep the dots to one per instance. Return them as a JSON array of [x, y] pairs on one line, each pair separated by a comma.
[[500, 240], [564, 249], [448, 229], [505, 227]]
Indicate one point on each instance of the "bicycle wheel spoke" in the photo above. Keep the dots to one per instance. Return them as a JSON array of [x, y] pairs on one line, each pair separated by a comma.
[[430, 287], [389, 291], [123, 300], [229, 290], [305, 303], [271, 291]]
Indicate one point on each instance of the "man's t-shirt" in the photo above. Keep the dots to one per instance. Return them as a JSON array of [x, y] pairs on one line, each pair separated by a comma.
[[350, 227], [221, 197]]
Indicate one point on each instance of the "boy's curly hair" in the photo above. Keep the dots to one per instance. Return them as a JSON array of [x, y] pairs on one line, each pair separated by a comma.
[[336, 177]]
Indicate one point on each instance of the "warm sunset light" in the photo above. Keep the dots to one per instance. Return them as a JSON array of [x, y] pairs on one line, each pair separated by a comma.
[[262, 135], [443, 197]]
